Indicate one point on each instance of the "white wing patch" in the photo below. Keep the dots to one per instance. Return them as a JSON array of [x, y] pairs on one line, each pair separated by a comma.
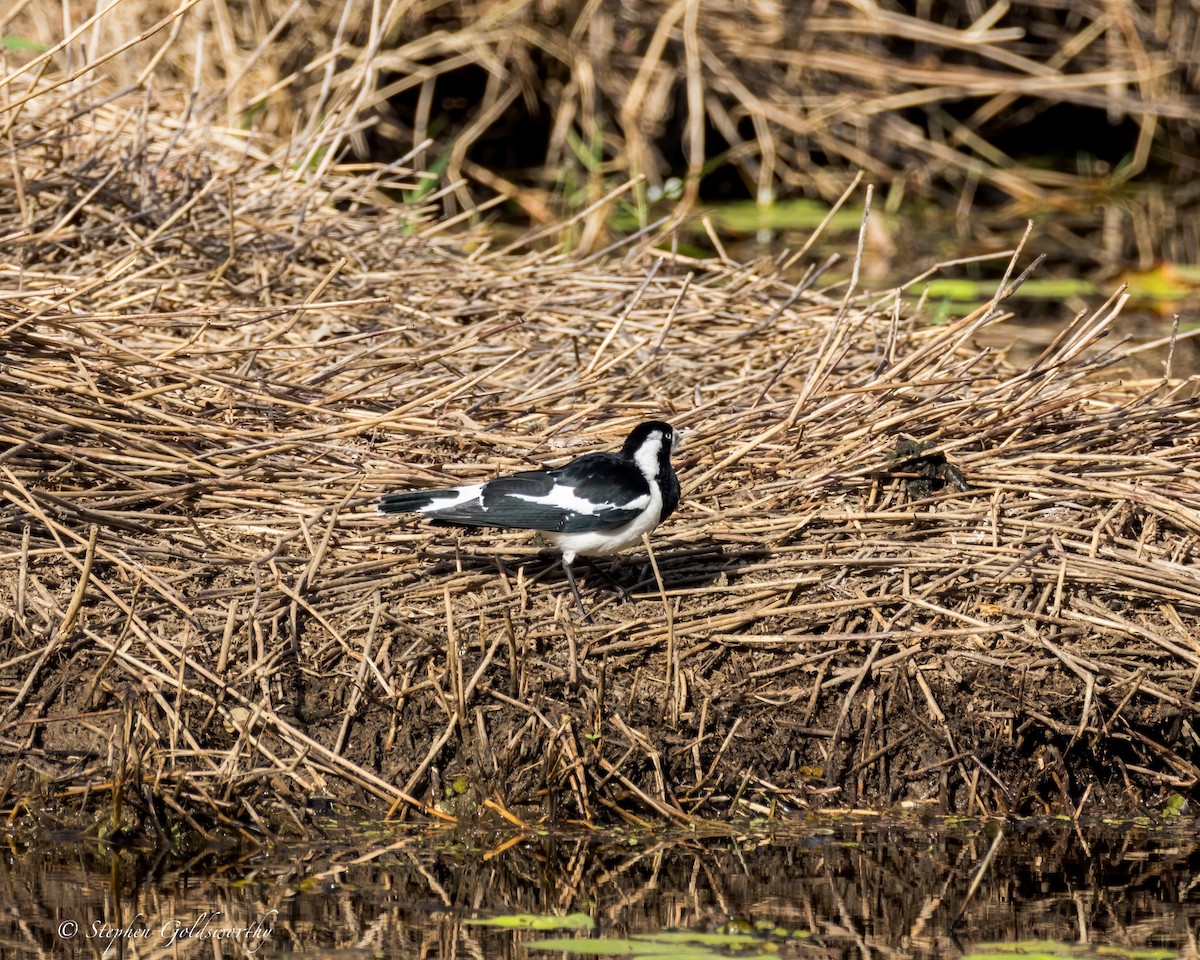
[[461, 495], [564, 499]]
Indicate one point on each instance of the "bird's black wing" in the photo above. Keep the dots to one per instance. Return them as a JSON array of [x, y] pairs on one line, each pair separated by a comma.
[[596, 492]]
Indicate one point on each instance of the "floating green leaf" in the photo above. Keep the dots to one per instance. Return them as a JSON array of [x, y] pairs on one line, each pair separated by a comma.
[[707, 939], [19, 44], [639, 947], [746, 216], [971, 291], [1176, 804], [530, 921], [1050, 950]]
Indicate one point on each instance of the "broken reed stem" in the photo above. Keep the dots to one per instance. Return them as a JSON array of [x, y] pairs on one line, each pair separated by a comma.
[[977, 877], [671, 696]]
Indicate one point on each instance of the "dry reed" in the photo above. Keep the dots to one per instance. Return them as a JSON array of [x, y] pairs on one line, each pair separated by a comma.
[[795, 97], [216, 354]]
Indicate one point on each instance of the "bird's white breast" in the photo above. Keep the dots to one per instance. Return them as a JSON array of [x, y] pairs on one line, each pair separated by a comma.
[[601, 544]]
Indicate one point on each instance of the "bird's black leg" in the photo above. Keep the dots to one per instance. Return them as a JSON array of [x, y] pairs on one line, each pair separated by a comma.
[[612, 581], [583, 614]]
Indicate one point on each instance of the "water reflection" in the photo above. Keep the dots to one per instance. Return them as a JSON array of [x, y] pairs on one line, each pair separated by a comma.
[[836, 891]]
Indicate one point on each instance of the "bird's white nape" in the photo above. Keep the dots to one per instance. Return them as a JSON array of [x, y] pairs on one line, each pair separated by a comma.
[[647, 456]]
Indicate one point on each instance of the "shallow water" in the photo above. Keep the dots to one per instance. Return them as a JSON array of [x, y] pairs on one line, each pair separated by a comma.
[[836, 889]]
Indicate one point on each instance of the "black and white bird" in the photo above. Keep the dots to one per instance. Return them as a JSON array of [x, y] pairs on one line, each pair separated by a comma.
[[594, 506]]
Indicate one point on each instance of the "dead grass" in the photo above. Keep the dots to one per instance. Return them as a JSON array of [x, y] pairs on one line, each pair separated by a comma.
[[215, 357], [795, 100]]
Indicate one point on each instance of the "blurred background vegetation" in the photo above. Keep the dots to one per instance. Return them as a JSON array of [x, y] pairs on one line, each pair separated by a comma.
[[968, 118]]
